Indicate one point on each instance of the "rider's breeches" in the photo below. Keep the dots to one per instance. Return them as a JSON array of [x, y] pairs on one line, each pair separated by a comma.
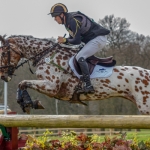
[[93, 46]]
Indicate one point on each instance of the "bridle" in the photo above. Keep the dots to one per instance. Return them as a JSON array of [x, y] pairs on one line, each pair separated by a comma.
[[10, 68]]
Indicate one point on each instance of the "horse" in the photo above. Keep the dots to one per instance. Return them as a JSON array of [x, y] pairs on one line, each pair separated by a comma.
[[56, 79]]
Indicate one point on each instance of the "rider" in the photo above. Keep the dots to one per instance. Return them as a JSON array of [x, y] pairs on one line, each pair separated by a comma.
[[81, 28]]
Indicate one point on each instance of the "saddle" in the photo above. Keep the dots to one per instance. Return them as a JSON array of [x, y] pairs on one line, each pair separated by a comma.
[[92, 61]]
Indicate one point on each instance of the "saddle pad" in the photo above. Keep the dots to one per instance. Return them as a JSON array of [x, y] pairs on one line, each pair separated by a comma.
[[98, 72]]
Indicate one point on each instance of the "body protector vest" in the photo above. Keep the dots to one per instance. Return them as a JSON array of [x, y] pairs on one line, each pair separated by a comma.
[[89, 28]]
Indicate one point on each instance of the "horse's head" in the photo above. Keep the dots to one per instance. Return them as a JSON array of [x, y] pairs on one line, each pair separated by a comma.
[[34, 49], [9, 58]]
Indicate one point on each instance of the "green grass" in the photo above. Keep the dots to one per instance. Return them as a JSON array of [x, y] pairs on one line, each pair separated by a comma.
[[139, 136], [142, 135]]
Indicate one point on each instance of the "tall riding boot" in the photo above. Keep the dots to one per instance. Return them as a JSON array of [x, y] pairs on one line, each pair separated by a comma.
[[87, 86]]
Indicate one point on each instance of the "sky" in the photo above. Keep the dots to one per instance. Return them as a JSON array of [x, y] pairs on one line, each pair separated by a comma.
[[29, 17]]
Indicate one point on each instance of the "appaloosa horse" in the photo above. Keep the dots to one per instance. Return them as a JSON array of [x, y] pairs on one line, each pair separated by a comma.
[[56, 79]]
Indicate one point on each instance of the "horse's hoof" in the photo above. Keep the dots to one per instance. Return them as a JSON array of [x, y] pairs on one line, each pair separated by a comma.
[[86, 91], [37, 105]]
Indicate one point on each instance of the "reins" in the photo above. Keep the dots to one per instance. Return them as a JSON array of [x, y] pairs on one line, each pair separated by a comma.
[[36, 60], [7, 45]]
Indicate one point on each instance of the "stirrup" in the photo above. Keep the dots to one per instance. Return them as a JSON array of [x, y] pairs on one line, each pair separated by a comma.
[[86, 90]]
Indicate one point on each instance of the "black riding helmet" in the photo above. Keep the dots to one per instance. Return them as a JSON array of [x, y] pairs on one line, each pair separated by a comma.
[[57, 9]]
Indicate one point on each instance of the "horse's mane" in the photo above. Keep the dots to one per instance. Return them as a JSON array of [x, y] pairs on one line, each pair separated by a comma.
[[31, 37], [45, 40]]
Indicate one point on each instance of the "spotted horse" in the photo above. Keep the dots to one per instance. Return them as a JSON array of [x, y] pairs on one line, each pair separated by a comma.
[[57, 80]]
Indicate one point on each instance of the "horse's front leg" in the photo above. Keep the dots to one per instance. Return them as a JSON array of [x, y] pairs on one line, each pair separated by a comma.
[[42, 86]]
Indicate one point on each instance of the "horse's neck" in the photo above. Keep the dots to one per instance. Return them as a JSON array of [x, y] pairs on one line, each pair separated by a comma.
[[30, 46]]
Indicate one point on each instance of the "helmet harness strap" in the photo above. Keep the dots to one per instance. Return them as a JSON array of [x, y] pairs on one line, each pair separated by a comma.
[[62, 18]]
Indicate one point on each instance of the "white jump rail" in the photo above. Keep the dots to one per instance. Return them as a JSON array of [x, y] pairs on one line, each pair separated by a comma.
[[77, 121]]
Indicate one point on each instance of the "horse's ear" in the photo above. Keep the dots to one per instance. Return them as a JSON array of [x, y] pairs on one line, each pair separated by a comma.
[[2, 39]]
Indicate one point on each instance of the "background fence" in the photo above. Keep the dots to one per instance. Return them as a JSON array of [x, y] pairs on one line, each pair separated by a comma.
[[57, 132]]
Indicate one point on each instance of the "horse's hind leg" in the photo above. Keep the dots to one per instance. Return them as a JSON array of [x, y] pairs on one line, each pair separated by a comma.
[[143, 104]]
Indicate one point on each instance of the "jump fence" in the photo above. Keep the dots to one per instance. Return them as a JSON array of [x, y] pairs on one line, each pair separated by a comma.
[[77, 121], [9, 124]]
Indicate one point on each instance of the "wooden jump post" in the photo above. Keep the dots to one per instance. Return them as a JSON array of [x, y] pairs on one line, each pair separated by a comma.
[[9, 135], [77, 121]]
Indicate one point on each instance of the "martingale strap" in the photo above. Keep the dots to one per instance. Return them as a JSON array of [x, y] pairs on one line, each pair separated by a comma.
[[58, 66]]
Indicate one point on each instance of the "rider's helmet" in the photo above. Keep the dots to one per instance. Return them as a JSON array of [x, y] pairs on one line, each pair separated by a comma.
[[57, 9]]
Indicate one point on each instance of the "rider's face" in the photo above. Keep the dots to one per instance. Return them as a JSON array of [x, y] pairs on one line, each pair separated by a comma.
[[58, 19]]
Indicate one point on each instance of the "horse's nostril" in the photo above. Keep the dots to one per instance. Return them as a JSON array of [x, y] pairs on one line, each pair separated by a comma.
[[3, 78]]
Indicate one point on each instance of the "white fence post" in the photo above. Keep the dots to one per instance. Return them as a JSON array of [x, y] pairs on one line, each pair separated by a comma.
[[5, 98], [56, 104]]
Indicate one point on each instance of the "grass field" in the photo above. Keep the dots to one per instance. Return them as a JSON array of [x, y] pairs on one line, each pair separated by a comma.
[[142, 135], [137, 140]]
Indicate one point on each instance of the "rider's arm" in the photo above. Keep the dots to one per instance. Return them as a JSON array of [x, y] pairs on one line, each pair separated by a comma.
[[74, 32]]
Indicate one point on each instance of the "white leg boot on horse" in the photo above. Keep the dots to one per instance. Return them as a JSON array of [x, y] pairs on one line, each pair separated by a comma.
[[87, 86]]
